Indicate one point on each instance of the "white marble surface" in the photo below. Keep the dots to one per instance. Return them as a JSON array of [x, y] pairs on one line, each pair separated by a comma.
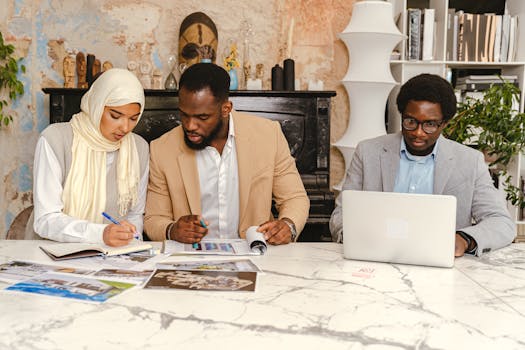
[[309, 297]]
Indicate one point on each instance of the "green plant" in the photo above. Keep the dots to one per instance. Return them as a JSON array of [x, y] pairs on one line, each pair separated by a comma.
[[8, 79], [492, 125]]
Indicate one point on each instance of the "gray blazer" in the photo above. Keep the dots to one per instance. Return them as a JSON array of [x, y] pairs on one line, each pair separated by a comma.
[[459, 171]]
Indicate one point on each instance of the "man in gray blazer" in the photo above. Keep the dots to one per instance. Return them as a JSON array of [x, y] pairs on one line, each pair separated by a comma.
[[421, 160]]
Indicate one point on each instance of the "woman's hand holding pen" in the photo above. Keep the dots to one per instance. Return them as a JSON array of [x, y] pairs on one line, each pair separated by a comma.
[[118, 235], [188, 229]]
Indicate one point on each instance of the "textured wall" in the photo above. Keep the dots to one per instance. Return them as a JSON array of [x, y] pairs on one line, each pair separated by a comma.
[[122, 30]]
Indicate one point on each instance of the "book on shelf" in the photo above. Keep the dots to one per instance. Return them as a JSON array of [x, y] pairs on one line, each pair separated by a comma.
[[470, 42], [512, 39], [460, 45], [505, 31], [489, 35], [414, 34], [64, 251], [497, 39], [428, 34], [451, 35]]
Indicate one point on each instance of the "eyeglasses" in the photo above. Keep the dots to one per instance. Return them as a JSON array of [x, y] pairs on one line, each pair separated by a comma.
[[429, 126]]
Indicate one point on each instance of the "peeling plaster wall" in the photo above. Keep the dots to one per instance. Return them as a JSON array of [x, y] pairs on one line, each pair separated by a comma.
[[43, 31]]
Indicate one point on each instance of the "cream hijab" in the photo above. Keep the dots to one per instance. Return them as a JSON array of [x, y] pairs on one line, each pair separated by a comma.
[[84, 195]]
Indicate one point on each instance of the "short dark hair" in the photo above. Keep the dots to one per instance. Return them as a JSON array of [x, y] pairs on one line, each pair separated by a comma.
[[428, 87], [206, 75]]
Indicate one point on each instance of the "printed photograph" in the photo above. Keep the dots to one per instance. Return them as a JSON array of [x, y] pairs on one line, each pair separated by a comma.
[[216, 265], [202, 280], [132, 276], [72, 287], [22, 270]]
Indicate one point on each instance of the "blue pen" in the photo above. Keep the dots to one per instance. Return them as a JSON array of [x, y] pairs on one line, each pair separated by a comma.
[[110, 218], [203, 224]]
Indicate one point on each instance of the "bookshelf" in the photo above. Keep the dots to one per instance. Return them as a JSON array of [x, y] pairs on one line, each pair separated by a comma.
[[404, 69]]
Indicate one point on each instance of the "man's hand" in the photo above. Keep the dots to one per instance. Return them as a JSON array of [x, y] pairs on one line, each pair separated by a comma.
[[118, 235], [188, 229], [276, 232], [460, 247]]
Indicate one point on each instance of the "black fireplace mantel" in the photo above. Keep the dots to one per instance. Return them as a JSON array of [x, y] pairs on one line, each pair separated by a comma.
[[304, 117]]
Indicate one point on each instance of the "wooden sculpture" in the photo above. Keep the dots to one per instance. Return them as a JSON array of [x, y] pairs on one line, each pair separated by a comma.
[[198, 39], [81, 70], [69, 72]]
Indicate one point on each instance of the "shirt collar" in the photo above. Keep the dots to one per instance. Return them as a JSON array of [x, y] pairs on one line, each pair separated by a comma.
[[231, 129], [403, 151]]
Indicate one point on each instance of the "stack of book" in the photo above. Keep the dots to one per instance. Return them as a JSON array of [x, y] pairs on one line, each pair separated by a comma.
[[481, 37], [474, 86], [483, 82]]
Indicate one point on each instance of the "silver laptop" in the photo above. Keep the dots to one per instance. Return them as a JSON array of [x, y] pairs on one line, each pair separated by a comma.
[[403, 228]]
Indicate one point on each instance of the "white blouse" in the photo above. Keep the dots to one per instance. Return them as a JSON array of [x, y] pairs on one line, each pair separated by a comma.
[[49, 220]]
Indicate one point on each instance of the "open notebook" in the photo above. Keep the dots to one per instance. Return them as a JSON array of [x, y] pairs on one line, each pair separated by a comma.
[[63, 251]]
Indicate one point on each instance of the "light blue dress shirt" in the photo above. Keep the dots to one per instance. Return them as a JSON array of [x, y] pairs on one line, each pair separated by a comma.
[[415, 173]]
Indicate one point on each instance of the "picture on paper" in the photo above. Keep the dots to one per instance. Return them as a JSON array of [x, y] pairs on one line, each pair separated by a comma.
[[71, 287], [131, 276], [215, 265], [202, 280], [21, 270]]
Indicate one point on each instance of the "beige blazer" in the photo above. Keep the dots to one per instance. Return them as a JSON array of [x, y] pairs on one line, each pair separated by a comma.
[[266, 171]]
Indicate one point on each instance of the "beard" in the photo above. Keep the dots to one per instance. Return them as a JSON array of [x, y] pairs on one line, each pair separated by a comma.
[[206, 140]]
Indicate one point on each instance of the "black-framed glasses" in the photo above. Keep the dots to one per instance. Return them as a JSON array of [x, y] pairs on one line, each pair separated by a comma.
[[429, 126]]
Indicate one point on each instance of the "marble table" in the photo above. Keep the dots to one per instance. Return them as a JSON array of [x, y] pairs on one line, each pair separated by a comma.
[[308, 297]]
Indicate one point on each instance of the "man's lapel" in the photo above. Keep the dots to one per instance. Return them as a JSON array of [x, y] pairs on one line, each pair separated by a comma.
[[190, 177], [443, 165], [246, 160], [390, 163]]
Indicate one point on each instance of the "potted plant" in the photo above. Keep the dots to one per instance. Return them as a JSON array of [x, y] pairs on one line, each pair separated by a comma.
[[10, 86], [496, 128]]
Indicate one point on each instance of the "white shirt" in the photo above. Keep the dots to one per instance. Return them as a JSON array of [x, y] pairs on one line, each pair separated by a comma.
[[50, 221], [219, 187]]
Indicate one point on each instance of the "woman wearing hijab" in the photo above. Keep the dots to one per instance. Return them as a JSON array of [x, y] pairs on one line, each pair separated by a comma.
[[94, 164]]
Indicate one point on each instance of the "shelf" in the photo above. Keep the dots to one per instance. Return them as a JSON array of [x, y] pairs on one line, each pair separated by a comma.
[[462, 63]]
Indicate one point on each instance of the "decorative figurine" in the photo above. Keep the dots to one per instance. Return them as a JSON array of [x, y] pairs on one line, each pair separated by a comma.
[[69, 72], [96, 67], [171, 81], [133, 67], [81, 70], [106, 66], [145, 78], [157, 79]]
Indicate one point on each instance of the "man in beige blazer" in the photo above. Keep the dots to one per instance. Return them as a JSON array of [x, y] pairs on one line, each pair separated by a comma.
[[216, 174]]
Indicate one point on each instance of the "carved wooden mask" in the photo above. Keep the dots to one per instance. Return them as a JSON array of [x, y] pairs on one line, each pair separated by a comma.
[[198, 39]]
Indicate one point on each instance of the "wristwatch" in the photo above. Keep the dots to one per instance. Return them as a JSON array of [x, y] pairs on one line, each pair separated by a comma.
[[469, 241], [293, 230]]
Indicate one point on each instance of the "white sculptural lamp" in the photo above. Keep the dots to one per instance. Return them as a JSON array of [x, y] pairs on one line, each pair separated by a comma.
[[370, 38]]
